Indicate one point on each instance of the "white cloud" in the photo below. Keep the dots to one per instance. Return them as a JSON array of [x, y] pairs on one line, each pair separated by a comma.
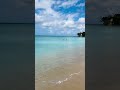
[[42, 4], [69, 23], [53, 20], [68, 3], [81, 5], [81, 20]]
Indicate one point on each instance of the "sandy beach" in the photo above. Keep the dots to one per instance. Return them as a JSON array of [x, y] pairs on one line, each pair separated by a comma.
[[61, 70], [70, 77]]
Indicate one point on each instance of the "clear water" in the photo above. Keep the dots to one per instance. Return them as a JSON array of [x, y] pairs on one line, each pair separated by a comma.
[[47, 48], [45, 45], [102, 59], [60, 56]]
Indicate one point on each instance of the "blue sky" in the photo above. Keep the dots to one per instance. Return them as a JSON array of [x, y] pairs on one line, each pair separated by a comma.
[[59, 17]]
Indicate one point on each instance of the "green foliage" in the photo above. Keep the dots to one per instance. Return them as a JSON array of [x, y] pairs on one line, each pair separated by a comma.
[[111, 20]]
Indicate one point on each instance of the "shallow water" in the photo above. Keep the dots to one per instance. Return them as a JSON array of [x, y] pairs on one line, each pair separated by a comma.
[[102, 58], [59, 63], [17, 56]]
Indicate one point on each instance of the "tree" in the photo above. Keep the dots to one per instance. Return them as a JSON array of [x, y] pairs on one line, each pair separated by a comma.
[[111, 20]]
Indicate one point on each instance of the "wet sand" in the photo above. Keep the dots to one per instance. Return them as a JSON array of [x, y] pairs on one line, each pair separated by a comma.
[[66, 77], [60, 66]]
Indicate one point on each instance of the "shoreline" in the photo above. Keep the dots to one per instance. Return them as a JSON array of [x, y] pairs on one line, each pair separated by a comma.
[[60, 66], [66, 77]]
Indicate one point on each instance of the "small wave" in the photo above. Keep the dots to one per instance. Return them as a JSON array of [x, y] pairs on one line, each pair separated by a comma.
[[61, 81], [68, 78]]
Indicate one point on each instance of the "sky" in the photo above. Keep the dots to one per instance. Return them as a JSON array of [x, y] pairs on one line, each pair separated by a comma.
[[95, 9], [65, 11], [17, 11], [59, 17]]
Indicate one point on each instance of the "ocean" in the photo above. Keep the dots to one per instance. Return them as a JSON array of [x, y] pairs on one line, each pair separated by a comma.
[[17, 56], [59, 63], [102, 57]]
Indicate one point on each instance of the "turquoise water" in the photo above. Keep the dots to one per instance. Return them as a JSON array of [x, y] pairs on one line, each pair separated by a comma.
[[45, 45], [57, 52], [47, 48]]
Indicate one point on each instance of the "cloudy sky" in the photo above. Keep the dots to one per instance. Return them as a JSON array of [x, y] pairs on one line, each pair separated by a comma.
[[95, 9], [59, 17], [17, 11]]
